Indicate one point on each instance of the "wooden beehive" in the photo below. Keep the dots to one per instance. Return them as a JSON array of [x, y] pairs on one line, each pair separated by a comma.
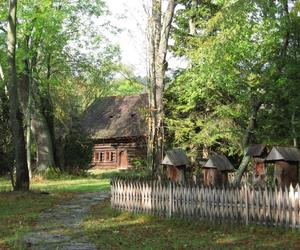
[[258, 153], [286, 160], [176, 165], [215, 171]]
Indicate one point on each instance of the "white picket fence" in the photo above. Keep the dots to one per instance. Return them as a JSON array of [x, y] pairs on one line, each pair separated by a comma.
[[268, 206]]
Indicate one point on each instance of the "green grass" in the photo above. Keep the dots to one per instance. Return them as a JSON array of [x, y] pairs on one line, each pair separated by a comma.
[[95, 180], [110, 229], [19, 211], [90, 183]]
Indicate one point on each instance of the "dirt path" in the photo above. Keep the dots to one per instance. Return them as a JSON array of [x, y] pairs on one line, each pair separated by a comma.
[[61, 226]]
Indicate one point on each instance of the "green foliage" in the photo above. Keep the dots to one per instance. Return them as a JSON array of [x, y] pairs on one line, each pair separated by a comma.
[[63, 51], [243, 54], [123, 87], [77, 151]]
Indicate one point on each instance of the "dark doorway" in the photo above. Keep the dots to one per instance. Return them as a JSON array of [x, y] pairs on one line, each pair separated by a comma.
[[123, 159]]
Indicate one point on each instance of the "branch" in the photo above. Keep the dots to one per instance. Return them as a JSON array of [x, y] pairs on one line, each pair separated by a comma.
[[1, 74], [165, 30], [4, 30]]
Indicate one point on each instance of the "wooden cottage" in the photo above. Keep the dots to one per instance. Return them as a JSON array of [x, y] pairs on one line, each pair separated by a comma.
[[176, 165], [215, 171], [258, 153], [286, 160], [118, 128]]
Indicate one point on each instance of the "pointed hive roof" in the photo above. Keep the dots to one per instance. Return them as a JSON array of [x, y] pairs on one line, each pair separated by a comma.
[[176, 157], [284, 154], [219, 162], [256, 150]]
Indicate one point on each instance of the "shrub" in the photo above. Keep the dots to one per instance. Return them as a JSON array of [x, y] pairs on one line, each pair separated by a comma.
[[76, 151]]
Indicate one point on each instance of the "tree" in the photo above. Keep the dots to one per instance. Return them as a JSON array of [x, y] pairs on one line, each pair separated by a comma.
[[48, 32], [16, 119], [159, 28], [236, 90], [61, 69]]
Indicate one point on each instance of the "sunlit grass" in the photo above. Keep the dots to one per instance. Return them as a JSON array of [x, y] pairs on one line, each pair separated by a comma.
[[91, 183], [123, 230], [79, 185]]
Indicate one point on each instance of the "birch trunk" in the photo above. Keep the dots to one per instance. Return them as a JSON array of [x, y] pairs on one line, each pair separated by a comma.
[[248, 138], [159, 36], [1, 73], [16, 117], [28, 135], [293, 122], [192, 25]]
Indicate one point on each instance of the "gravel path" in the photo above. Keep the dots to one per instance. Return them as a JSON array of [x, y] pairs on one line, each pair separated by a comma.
[[60, 227]]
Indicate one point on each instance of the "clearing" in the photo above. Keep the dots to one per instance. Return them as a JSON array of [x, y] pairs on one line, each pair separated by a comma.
[[74, 215]]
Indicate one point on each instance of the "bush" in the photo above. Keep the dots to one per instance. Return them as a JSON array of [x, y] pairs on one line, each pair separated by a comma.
[[76, 151]]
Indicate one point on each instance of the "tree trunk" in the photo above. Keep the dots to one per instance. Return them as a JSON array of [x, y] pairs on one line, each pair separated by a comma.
[[48, 110], [28, 134], [192, 25], [248, 138], [16, 118], [1, 73], [32, 104], [293, 122], [159, 36], [43, 125], [40, 131]]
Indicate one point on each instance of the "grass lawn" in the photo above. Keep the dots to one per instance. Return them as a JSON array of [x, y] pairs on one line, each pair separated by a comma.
[[18, 211], [110, 229]]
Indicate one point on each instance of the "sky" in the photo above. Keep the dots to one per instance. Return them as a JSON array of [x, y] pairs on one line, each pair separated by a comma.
[[133, 38], [131, 17]]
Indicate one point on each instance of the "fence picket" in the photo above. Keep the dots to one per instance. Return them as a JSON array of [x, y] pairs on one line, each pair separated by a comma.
[[270, 207]]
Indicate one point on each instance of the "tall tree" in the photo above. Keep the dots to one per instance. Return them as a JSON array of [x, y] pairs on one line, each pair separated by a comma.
[[48, 31], [16, 117], [159, 28], [241, 82]]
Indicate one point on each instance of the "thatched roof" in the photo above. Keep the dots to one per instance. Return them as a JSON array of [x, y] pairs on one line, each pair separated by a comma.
[[219, 162], [256, 150], [284, 154], [176, 157], [116, 117]]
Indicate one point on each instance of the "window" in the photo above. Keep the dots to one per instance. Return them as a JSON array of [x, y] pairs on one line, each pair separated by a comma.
[[113, 156], [105, 156], [96, 156], [101, 156]]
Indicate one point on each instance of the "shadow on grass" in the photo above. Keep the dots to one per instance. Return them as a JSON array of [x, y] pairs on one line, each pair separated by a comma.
[[123, 230], [19, 211]]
